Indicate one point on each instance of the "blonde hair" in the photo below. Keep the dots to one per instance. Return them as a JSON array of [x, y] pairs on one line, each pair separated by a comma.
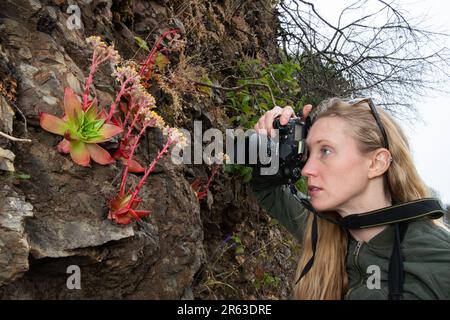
[[328, 278]]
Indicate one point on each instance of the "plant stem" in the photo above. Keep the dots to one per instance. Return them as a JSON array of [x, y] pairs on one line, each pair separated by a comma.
[[151, 168], [130, 129], [213, 173], [88, 83], [125, 170], [150, 57], [132, 105], [114, 105]]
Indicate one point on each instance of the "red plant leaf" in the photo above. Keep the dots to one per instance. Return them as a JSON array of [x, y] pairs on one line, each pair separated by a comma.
[[133, 166], [63, 146], [107, 131], [201, 195], [52, 124], [72, 106], [79, 152], [127, 216], [118, 218], [98, 154], [92, 111]]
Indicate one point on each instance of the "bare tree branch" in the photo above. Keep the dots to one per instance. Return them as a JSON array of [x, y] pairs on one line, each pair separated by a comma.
[[378, 52]]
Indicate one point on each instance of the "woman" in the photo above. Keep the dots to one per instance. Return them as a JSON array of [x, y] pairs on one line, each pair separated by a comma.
[[358, 162]]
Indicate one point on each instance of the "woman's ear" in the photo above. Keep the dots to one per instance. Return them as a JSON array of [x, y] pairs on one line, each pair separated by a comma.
[[381, 159]]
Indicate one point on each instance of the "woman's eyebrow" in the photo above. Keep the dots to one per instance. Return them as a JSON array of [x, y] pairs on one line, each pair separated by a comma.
[[317, 142]]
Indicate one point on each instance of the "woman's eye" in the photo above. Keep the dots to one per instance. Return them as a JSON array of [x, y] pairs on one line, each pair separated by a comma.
[[325, 151]]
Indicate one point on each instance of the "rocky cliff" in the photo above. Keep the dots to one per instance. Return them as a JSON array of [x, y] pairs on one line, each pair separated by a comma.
[[52, 211]]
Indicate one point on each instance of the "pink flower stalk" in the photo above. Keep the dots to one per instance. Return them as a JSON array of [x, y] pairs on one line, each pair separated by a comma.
[[150, 61], [140, 105], [101, 54], [127, 77], [122, 208], [196, 185]]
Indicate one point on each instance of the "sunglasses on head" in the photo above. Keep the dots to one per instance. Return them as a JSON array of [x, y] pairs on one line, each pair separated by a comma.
[[375, 113]]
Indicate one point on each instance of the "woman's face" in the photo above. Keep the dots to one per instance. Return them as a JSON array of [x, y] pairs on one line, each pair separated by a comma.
[[337, 171]]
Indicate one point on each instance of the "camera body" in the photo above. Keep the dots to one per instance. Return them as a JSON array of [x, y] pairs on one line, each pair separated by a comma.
[[290, 149]]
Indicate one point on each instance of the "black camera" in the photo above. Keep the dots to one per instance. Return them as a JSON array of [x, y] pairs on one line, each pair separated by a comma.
[[283, 156]]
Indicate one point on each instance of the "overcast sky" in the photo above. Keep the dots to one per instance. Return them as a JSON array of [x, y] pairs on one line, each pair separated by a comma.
[[429, 138]]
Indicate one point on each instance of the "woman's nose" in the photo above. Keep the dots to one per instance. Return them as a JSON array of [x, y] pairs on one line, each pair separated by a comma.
[[309, 168]]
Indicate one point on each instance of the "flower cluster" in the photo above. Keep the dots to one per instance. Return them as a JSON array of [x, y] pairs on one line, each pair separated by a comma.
[[95, 41], [152, 118], [177, 136], [126, 74], [223, 156], [102, 51], [84, 125], [176, 43], [142, 98]]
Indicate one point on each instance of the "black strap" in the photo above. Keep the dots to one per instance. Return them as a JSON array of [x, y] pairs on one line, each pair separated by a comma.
[[396, 213], [314, 230], [396, 275], [314, 236]]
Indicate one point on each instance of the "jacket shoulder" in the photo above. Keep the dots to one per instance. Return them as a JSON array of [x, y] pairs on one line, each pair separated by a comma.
[[427, 248]]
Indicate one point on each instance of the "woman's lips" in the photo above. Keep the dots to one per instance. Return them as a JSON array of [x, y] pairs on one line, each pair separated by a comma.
[[313, 191]]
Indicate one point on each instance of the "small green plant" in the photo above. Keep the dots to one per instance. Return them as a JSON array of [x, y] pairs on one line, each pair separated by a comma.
[[267, 281], [22, 176], [141, 43], [239, 246], [241, 170]]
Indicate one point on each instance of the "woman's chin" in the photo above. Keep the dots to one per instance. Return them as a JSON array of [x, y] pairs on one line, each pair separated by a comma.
[[320, 205]]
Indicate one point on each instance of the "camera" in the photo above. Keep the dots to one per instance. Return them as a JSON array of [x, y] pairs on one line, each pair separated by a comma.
[[285, 155]]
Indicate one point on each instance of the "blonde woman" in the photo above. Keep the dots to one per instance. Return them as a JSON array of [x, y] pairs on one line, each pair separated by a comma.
[[359, 168]]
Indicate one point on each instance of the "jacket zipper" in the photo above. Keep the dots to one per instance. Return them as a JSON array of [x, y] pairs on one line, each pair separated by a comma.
[[355, 262]]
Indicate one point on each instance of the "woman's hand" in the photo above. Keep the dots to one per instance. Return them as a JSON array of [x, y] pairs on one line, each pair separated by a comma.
[[265, 123]]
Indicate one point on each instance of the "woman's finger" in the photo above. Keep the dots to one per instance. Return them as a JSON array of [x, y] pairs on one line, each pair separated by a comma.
[[286, 114], [306, 110], [269, 117], [260, 124]]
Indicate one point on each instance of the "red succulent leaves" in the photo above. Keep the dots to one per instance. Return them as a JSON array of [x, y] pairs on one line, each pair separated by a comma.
[[82, 129], [123, 153], [122, 209]]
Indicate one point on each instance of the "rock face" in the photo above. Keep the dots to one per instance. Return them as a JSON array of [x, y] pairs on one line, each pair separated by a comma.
[[68, 226], [56, 217], [14, 247]]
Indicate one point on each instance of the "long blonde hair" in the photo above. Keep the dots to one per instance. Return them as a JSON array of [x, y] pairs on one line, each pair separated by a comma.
[[328, 278]]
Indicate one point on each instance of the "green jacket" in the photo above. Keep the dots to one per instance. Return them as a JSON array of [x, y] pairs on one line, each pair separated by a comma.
[[426, 249]]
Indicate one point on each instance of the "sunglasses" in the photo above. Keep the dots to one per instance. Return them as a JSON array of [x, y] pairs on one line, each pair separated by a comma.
[[375, 113]]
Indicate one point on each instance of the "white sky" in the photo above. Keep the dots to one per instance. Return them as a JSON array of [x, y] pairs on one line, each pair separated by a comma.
[[429, 138]]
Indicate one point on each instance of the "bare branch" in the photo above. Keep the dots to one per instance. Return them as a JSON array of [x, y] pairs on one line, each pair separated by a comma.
[[7, 136], [236, 88], [381, 52]]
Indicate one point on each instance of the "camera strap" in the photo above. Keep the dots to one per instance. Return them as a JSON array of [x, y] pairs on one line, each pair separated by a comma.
[[399, 215]]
